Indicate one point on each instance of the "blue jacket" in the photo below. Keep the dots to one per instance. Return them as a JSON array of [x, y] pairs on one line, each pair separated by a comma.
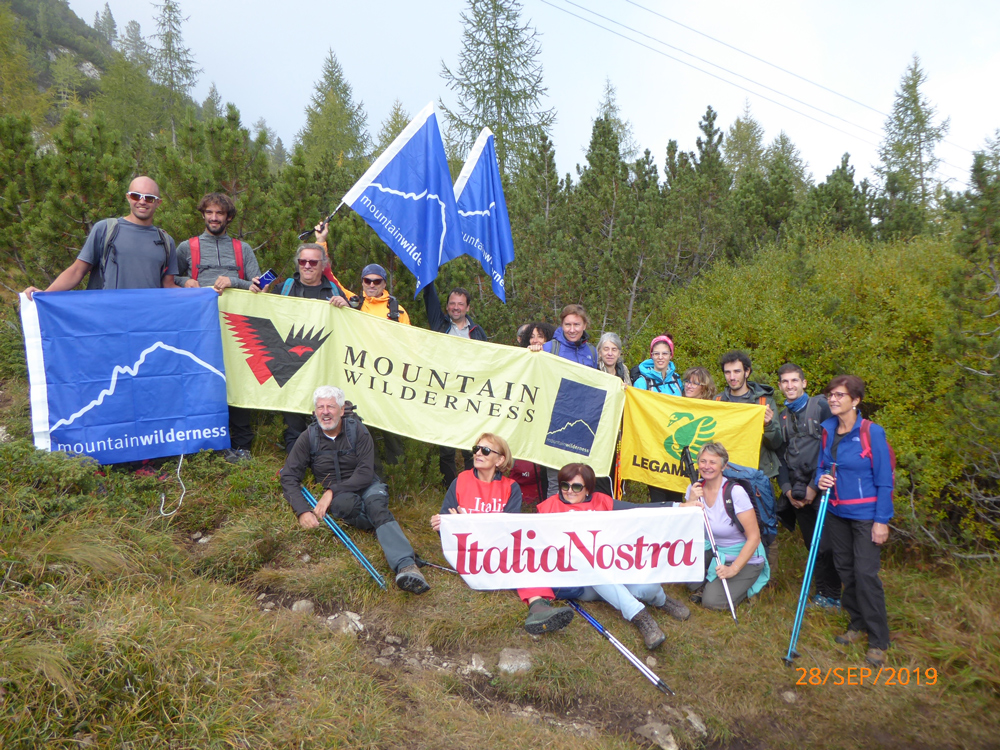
[[863, 491], [580, 352], [669, 384]]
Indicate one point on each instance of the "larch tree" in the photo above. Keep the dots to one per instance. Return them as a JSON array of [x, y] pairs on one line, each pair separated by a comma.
[[212, 106], [392, 126], [336, 127], [104, 24], [174, 65], [744, 146], [498, 81]]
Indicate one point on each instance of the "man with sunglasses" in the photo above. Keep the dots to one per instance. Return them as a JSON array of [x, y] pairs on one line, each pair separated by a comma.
[[124, 253]]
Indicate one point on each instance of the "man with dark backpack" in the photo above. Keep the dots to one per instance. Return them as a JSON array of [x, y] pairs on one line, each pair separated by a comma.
[[124, 253], [341, 455], [801, 422], [214, 259]]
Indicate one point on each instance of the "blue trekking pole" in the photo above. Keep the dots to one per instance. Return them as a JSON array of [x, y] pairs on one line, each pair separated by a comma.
[[342, 536], [648, 673], [807, 579]]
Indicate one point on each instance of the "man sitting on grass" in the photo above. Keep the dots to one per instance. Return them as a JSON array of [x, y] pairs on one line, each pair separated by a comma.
[[341, 454]]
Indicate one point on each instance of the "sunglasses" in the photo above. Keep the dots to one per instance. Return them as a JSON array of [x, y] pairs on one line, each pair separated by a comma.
[[575, 487], [308, 262], [143, 197], [486, 451], [373, 282]]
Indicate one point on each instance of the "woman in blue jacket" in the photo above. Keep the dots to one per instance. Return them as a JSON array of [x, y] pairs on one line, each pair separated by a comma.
[[859, 511], [570, 339], [657, 374]]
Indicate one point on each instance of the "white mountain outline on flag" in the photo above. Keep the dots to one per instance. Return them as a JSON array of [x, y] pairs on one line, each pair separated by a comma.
[[566, 426], [417, 197]]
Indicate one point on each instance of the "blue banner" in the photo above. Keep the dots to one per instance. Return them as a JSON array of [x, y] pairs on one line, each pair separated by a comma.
[[406, 196], [126, 375], [482, 212]]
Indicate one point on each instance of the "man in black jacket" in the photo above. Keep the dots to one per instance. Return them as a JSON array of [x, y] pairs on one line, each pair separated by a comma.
[[457, 323], [800, 421], [341, 454]]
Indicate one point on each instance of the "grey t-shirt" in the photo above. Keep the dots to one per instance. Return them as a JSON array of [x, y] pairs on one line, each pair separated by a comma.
[[137, 260], [463, 332]]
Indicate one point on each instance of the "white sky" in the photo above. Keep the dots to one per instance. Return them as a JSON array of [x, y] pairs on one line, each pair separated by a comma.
[[265, 57]]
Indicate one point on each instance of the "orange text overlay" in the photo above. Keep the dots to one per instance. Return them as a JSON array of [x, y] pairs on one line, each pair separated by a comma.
[[886, 676]]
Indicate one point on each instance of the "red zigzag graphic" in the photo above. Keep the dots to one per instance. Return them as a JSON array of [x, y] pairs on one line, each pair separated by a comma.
[[251, 344]]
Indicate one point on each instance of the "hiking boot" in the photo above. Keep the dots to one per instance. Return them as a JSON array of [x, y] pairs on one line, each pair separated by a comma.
[[544, 618], [851, 636], [675, 609], [411, 579], [875, 657], [648, 629], [236, 455], [824, 602]]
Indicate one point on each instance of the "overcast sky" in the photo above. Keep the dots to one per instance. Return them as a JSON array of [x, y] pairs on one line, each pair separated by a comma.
[[265, 57]]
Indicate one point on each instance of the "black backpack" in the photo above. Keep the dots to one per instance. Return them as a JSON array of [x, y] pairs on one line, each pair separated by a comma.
[[97, 272]]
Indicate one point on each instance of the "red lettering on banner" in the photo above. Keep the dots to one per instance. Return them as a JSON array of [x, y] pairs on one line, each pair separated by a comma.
[[589, 554], [501, 565], [517, 567], [688, 551], [639, 544], [657, 549], [600, 556], [473, 554], [559, 561], [461, 566], [624, 556]]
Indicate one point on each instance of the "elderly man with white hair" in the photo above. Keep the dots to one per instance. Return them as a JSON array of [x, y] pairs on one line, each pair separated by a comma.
[[341, 454]]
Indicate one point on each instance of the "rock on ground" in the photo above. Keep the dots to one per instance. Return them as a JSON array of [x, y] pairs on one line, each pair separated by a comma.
[[514, 660], [658, 734], [303, 605]]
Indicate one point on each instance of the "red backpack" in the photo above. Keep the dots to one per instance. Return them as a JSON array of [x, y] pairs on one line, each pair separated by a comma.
[[195, 244], [866, 448]]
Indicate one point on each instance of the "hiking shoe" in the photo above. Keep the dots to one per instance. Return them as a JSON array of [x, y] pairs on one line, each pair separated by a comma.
[[851, 636], [675, 609], [236, 455], [875, 657], [824, 602], [411, 579], [544, 618], [648, 629]]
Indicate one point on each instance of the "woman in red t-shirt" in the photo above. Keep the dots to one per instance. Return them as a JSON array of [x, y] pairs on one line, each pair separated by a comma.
[[483, 488]]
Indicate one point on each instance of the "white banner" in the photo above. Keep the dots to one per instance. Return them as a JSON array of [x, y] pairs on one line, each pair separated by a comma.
[[585, 548]]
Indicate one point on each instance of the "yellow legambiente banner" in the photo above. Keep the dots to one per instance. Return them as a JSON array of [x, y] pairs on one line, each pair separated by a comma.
[[430, 386], [657, 427]]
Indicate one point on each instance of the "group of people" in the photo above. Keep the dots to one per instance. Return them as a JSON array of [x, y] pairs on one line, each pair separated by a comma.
[[814, 444]]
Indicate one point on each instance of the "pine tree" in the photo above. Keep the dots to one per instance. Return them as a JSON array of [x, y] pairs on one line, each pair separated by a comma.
[[104, 24], [498, 81], [279, 156], [838, 202], [212, 106], [18, 88], [907, 150], [24, 185], [135, 48], [174, 66], [335, 125], [392, 126]]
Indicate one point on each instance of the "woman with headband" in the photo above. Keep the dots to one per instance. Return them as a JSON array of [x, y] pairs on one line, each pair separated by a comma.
[[657, 374]]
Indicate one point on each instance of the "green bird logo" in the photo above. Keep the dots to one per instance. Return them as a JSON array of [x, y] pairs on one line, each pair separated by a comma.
[[688, 431]]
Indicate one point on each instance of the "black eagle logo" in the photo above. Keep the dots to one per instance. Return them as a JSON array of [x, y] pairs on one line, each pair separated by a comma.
[[268, 355]]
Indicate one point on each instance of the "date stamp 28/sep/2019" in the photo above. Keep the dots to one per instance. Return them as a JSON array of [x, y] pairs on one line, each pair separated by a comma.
[[885, 676]]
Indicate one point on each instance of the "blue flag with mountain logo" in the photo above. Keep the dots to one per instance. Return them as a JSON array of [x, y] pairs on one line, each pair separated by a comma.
[[406, 196], [126, 375], [482, 212]]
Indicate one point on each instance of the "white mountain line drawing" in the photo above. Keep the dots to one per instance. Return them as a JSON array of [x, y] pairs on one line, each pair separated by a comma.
[[110, 390], [571, 424], [484, 212], [417, 197]]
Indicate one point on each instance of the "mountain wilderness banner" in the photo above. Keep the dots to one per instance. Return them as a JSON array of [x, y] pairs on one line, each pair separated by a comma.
[[656, 428], [511, 550], [425, 385], [120, 386]]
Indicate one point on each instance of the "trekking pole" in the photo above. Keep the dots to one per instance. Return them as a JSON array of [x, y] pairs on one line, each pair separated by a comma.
[[800, 610], [648, 673], [687, 466], [422, 563], [305, 234], [342, 536]]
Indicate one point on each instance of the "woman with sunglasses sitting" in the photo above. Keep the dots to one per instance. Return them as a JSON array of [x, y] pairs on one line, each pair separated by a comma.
[[483, 488], [576, 492]]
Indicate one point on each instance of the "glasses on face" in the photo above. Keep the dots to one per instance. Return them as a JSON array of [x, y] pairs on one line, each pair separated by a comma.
[[692, 384], [485, 450], [657, 355], [308, 262], [575, 487], [143, 197], [837, 395], [373, 282]]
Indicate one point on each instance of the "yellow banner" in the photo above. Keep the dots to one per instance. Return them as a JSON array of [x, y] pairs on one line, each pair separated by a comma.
[[426, 385], [657, 427]]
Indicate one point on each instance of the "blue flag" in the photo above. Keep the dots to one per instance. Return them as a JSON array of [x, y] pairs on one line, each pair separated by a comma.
[[126, 375], [406, 197], [482, 212]]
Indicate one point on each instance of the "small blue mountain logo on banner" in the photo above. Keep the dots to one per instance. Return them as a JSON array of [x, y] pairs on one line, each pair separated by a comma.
[[576, 415]]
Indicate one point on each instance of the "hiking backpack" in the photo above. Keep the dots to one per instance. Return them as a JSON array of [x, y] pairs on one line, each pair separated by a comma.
[[758, 487], [195, 244], [97, 272]]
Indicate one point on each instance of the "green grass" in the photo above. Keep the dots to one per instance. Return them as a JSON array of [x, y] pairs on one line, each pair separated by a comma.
[[118, 631]]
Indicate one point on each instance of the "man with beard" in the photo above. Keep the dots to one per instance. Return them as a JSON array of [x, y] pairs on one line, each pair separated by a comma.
[[341, 454], [214, 259]]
